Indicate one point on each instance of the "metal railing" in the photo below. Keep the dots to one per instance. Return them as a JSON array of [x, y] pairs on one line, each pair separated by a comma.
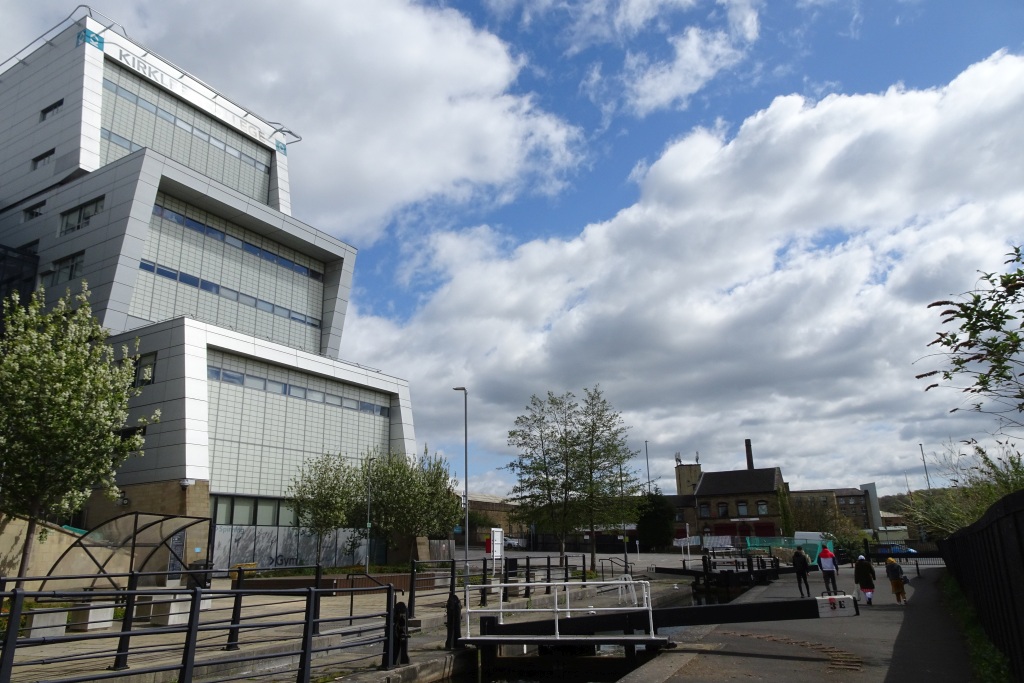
[[560, 606], [985, 559], [76, 636]]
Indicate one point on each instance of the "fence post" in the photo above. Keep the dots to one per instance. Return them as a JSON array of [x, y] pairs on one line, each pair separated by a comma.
[[317, 582], [547, 589], [583, 569], [236, 609], [412, 591], [389, 629], [11, 637], [309, 629], [124, 643], [528, 579], [451, 584], [565, 566], [486, 583], [188, 653]]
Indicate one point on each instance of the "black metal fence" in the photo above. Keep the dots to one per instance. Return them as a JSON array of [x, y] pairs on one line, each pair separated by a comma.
[[181, 632], [986, 560]]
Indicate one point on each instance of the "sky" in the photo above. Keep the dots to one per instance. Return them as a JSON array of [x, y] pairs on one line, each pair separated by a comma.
[[730, 215]]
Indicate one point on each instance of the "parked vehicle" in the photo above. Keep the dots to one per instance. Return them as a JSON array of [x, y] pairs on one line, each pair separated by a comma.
[[515, 542]]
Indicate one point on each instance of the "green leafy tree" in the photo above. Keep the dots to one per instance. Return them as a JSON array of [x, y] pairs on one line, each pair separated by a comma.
[[322, 494], [64, 409], [655, 525], [572, 469], [982, 350], [411, 496], [979, 480]]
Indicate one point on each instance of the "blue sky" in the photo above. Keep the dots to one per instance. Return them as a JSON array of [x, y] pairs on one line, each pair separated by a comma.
[[731, 215]]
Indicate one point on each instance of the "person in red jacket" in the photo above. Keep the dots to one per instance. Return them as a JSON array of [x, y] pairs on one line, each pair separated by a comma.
[[829, 568]]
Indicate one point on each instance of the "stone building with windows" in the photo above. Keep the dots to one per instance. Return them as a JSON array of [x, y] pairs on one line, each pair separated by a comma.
[[173, 203]]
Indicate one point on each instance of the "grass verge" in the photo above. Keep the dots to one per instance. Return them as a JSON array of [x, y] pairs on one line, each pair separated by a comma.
[[988, 663]]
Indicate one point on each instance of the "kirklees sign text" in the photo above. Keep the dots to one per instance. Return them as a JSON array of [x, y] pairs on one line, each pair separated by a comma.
[[148, 70]]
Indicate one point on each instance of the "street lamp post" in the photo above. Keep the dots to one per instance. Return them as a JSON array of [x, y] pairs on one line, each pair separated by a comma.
[[465, 474], [368, 461], [648, 457]]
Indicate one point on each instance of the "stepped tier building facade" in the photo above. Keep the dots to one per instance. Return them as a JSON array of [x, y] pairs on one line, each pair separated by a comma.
[[173, 203]]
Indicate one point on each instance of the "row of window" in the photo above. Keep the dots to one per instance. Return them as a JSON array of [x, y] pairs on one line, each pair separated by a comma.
[[217, 374], [143, 103], [228, 293], [220, 235], [245, 511], [78, 217], [67, 269], [742, 510]]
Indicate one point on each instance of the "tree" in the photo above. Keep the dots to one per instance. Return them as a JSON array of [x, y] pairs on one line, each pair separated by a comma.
[[655, 525], [322, 494], [64, 409], [410, 496], [983, 350], [979, 480], [572, 468]]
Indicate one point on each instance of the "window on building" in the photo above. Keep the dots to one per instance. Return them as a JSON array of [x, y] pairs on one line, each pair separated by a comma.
[[222, 514], [145, 370], [43, 159], [67, 269], [741, 508], [286, 515], [723, 509], [242, 514], [704, 510], [762, 507], [34, 211], [266, 512], [52, 110], [78, 217]]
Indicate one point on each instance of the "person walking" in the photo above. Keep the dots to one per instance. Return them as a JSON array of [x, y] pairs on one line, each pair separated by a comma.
[[894, 572], [802, 564], [829, 569], [864, 577]]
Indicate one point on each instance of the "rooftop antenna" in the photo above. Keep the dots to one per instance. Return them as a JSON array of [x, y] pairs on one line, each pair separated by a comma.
[[698, 457]]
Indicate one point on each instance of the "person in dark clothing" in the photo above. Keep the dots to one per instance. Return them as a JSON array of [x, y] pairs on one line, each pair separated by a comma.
[[801, 563], [864, 577]]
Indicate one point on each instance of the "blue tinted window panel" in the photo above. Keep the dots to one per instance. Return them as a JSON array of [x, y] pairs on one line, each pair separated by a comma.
[[385, 412], [252, 249], [275, 387], [298, 317], [186, 279], [174, 216], [147, 266], [128, 95], [165, 115], [212, 373], [184, 126], [297, 392], [158, 210], [228, 293], [193, 224], [268, 256], [147, 105], [264, 306], [281, 311], [167, 273], [254, 382], [109, 85], [365, 407], [208, 286], [316, 396], [301, 270], [246, 299], [232, 377], [233, 241], [214, 233]]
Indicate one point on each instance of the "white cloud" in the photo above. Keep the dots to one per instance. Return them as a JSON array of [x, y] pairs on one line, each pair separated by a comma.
[[699, 56], [771, 285]]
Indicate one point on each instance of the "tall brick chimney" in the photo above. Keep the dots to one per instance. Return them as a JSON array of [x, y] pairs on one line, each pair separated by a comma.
[[750, 454]]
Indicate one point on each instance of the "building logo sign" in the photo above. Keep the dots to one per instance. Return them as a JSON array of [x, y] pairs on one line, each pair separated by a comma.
[[281, 147], [87, 37], [148, 70]]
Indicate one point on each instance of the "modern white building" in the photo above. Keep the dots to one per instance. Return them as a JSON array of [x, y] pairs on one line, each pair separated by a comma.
[[173, 203]]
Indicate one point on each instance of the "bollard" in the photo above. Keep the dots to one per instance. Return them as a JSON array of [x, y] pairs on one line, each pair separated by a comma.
[[399, 653], [453, 620]]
